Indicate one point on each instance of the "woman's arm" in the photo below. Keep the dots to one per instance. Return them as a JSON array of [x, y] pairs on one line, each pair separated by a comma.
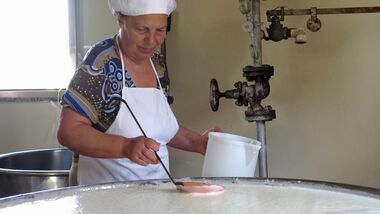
[[188, 140], [76, 133]]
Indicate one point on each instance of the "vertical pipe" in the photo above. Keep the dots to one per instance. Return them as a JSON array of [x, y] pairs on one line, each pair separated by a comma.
[[260, 130], [256, 40], [256, 50]]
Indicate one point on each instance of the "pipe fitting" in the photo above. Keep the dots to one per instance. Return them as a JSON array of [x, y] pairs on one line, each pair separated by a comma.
[[276, 31], [245, 6], [299, 35]]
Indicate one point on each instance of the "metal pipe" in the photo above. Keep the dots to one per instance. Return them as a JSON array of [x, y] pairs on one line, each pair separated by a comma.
[[320, 11], [261, 133], [257, 35], [257, 62]]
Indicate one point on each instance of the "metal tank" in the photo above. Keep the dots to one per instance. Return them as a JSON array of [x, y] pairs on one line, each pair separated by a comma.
[[34, 170], [240, 195]]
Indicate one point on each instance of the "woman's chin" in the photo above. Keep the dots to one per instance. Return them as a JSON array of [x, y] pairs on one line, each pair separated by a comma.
[[147, 52], [146, 55]]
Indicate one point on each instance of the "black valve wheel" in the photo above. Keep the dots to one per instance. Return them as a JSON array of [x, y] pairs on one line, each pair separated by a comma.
[[214, 95]]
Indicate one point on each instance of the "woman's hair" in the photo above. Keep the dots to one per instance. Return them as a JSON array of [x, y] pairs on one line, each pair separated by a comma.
[[120, 14]]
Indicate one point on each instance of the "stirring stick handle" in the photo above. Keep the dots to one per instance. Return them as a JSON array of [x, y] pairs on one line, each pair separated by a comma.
[[138, 124], [163, 165], [133, 115]]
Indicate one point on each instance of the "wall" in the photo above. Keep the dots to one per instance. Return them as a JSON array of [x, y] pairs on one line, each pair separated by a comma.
[[324, 92], [25, 126]]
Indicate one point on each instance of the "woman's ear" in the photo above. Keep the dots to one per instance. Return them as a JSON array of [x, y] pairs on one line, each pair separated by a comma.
[[120, 19]]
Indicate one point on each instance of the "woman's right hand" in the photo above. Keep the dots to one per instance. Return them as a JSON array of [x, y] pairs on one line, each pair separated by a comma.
[[141, 150]]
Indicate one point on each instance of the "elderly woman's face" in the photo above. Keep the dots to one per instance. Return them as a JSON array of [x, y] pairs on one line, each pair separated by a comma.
[[142, 35]]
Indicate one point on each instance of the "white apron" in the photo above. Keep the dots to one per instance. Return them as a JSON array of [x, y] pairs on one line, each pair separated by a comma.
[[152, 111]]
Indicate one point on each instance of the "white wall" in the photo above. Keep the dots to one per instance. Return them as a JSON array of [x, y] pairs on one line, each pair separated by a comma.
[[324, 92], [25, 126]]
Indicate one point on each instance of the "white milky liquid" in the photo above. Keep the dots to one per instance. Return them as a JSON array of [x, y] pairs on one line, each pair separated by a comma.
[[164, 199]]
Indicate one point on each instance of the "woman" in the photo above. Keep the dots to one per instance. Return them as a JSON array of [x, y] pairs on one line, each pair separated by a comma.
[[96, 125]]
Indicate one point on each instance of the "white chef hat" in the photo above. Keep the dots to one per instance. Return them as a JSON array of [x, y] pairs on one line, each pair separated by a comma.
[[141, 7]]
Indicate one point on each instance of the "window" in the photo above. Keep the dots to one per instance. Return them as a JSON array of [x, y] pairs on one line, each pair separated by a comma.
[[35, 51]]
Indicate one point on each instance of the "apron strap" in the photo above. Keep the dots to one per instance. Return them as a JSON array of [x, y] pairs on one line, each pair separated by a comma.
[[155, 72], [121, 58]]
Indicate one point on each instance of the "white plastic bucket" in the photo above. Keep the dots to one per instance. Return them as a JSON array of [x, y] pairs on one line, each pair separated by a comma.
[[229, 155]]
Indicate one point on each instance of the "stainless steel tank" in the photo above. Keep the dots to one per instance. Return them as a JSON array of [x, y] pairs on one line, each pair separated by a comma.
[[34, 170], [241, 195]]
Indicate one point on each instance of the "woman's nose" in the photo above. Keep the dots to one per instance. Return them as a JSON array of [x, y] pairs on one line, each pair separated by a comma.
[[150, 38]]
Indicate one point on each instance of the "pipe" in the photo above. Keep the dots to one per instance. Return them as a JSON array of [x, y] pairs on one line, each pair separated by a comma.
[[257, 62], [263, 166], [257, 34], [251, 10], [326, 11], [299, 35]]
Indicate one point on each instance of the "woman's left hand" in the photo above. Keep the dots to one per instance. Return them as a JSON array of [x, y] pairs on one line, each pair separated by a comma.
[[202, 144]]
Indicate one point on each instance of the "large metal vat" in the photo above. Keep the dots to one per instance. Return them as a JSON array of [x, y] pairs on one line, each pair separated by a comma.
[[242, 195], [34, 170]]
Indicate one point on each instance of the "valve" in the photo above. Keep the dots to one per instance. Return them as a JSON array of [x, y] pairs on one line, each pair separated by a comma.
[[314, 23], [248, 95], [277, 32], [237, 94]]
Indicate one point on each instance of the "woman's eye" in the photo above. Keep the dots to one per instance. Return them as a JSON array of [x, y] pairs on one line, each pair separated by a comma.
[[141, 30], [161, 30]]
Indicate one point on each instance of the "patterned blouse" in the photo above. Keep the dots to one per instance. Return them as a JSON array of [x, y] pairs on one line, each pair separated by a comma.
[[98, 80]]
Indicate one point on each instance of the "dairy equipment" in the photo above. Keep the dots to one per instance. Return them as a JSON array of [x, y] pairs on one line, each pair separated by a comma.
[[249, 195], [34, 170]]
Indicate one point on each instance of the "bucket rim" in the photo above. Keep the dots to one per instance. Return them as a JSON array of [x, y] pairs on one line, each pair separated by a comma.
[[245, 140]]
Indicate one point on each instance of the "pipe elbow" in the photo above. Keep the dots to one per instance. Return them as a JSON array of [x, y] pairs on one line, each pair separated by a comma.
[[299, 35]]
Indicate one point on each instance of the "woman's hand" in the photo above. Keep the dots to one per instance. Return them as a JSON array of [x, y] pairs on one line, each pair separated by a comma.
[[141, 150], [202, 143]]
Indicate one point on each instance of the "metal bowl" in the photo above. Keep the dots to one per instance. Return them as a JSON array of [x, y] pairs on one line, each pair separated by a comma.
[[34, 170]]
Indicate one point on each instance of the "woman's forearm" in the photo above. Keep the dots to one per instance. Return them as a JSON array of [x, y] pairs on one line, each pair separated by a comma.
[[76, 133], [191, 141], [187, 140]]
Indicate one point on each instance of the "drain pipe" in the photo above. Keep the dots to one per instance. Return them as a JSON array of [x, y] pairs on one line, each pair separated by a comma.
[[253, 27], [256, 34], [256, 53], [257, 62]]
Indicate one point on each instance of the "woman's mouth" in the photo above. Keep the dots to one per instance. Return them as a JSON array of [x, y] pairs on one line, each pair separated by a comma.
[[147, 50]]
